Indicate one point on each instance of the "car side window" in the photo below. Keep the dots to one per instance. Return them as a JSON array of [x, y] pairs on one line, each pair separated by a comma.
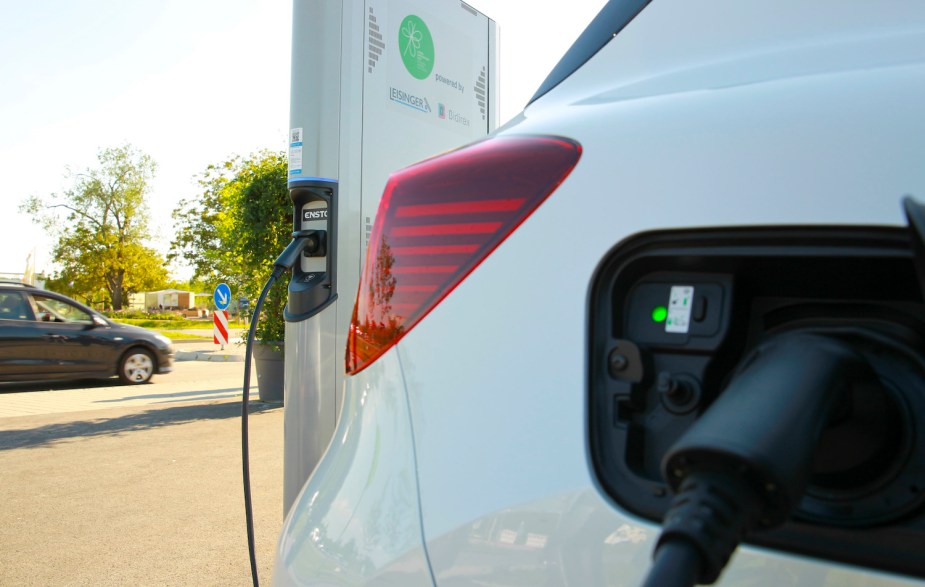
[[54, 310], [14, 307]]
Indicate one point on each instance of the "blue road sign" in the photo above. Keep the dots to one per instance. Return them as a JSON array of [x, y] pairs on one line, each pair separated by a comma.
[[222, 296]]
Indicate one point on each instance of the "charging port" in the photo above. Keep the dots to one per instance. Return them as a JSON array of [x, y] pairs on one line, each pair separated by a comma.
[[727, 292]]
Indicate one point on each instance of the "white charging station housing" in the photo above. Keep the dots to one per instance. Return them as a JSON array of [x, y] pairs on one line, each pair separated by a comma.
[[376, 86]]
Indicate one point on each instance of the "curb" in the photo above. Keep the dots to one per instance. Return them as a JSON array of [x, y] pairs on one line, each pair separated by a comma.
[[203, 350], [208, 356]]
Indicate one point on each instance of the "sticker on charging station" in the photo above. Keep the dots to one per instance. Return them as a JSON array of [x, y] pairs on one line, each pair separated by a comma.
[[295, 151], [680, 303]]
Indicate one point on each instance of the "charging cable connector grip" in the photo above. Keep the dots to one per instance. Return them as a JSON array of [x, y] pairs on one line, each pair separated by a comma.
[[302, 240], [745, 463]]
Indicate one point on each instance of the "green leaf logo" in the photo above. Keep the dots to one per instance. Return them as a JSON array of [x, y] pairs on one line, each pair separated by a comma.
[[417, 47]]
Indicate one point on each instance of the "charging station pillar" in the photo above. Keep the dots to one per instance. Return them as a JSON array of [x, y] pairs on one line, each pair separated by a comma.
[[376, 86], [314, 136]]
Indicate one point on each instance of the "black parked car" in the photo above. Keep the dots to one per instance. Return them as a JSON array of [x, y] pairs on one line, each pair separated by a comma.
[[45, 335]]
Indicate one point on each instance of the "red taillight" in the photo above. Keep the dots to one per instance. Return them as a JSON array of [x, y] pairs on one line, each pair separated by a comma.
[[437, 221]]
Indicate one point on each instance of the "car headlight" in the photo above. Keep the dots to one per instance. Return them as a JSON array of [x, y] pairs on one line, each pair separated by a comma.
[[163, 339]]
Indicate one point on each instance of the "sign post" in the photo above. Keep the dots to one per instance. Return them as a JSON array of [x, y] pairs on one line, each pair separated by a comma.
[[222, 298]]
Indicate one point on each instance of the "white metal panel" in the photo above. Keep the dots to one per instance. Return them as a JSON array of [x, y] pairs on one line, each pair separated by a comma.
[[575, 540], [346, 60], [496, 374], [310, 412], [356, 522], [354, 53], [411, 116], [675, 39], [314, 105], [310, 369]]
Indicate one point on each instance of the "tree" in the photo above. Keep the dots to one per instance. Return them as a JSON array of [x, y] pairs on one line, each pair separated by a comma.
[[235, 228], [101, 225]]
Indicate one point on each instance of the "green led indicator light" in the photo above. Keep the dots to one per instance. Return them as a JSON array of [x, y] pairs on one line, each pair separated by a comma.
[[659, 313]]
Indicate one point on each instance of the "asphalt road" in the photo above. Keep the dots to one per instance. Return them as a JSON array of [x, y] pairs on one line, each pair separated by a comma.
[[207, 378], [140, 485]]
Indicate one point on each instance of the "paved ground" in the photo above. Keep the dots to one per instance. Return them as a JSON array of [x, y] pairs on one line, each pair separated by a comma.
[[115, 485], [206, 350], [198, 376]]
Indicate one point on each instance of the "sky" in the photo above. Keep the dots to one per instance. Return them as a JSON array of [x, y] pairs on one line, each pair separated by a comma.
[[190, 83]]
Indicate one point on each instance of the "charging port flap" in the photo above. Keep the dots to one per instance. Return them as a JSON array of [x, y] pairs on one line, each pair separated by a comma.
[[676, 315]]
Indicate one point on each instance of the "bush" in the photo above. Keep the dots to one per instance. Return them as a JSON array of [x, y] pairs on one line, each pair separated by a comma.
[[142, 315], [233, 232]]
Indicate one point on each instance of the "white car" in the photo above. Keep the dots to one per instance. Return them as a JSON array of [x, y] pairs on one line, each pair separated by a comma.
[[688, 264]]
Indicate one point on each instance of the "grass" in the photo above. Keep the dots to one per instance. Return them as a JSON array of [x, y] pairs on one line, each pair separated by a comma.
[[179, 324], [169, 328], [174, 335]]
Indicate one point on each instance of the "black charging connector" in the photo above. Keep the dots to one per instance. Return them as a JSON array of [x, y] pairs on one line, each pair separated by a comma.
[[304, 242], [744, 465], [316, 245]]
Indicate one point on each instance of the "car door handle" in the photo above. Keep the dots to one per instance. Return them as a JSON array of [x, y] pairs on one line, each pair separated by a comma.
[[56, 337]]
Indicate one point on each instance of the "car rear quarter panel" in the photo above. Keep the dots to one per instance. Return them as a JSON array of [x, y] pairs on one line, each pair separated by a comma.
[[356, 521], [496, 374]]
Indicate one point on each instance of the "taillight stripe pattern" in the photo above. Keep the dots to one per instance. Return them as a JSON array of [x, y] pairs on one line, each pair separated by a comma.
[[446, 229], [440, 219], [435, 250], [425, 269], [471, 207]]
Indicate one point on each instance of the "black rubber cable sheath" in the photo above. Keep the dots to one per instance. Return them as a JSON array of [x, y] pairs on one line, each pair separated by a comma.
[[245, 401], [677, 564]]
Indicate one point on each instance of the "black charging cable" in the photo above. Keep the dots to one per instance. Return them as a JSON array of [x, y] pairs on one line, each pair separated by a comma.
[[301, 240], [743, 466]]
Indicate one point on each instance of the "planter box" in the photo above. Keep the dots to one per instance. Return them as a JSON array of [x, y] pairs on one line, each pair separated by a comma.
[[269, 359]]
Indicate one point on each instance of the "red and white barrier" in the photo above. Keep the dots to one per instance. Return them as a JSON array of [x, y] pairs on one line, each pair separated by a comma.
[[220, 327]]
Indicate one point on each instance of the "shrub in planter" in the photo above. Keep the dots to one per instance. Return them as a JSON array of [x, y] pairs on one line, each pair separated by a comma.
[[235, 230], [261, 214]]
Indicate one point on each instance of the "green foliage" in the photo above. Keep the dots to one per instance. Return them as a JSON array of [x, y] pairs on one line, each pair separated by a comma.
[[188, 285], [233, 231], [176, 324], [101, 226], [128, 315]]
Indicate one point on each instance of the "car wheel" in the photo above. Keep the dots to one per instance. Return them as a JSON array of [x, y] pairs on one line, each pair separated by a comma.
[[136, 366]]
